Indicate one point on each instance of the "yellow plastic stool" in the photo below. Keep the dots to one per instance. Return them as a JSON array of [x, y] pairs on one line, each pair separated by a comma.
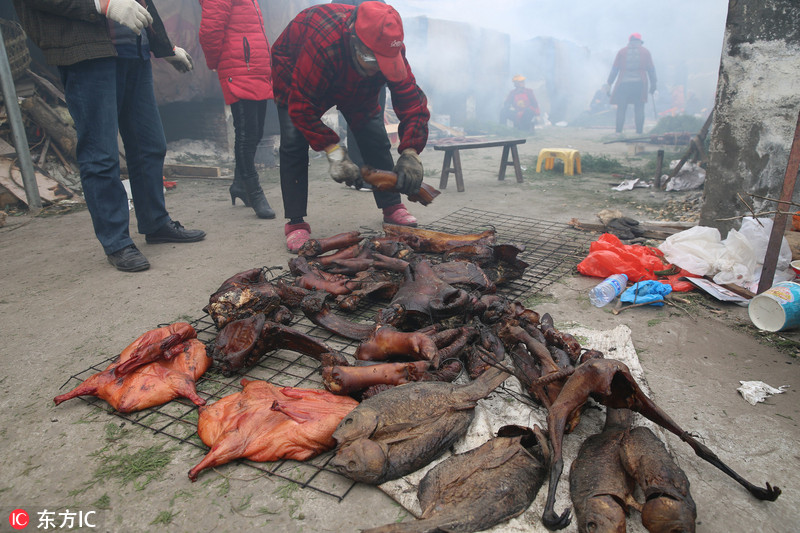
[[571, 159]]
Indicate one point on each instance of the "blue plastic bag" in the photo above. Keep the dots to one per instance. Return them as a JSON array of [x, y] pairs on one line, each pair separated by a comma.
[[649, 291]]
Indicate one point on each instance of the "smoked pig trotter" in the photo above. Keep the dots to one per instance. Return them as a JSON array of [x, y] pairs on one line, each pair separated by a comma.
[[315, 247]]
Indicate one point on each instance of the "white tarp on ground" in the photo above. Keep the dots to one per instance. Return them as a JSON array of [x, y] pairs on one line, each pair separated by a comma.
[[499, 409]]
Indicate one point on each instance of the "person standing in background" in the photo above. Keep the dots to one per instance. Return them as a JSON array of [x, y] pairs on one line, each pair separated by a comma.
[[632, 67], [236, 47], [103, 57], [338, 55], [520, 106]]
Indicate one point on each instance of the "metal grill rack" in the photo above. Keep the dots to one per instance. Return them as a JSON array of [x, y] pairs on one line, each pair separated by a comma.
[[551, 249]]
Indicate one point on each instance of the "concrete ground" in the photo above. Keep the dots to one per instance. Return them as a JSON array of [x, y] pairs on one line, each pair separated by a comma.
[[65, 309]]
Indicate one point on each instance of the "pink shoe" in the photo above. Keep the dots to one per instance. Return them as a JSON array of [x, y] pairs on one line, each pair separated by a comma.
[[296, 235], [398, 214]]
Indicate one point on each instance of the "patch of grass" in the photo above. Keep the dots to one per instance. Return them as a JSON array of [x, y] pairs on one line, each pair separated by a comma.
[[288, 493], [181, 494], [139, 467], [537, 299], [654, 322], [164, 518], [243, 504], [103, 502], [115, 433], [601, 164], [678, 124]]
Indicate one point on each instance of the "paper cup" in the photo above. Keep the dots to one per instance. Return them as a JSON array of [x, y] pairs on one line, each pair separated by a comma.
[[777, 308]]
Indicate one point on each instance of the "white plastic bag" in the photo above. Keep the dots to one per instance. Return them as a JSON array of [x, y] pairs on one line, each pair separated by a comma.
[[738, 259], [737, 263], [695, 249]]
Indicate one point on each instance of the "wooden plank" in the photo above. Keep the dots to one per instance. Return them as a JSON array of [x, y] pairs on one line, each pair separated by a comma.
[[489, 144], [49, 189], [191, 171]]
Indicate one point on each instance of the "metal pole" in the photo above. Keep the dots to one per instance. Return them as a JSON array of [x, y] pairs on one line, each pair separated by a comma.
[[18, 129]]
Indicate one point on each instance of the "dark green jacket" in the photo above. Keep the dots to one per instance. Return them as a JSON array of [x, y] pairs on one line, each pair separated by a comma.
[[69, 31]]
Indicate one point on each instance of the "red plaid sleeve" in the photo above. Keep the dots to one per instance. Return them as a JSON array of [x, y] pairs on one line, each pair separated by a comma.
[[313, 71]]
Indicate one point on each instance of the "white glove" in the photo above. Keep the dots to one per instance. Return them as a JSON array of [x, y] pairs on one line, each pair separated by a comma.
[[342, 169], [129, 13], [182, 61]]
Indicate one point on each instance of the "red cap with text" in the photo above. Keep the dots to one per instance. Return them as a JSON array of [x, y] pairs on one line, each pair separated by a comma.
[[380, 28]]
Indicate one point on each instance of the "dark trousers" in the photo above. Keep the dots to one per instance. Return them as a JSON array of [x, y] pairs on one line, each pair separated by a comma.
[[106, 96], [630, 93], [248, 126], [375, 150]]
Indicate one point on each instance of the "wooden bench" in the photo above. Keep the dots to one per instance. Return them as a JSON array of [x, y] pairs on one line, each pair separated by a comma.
[[453, 157]]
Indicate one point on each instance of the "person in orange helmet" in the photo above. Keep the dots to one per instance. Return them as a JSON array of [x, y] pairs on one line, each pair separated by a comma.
[[520, 106], [632, 68]]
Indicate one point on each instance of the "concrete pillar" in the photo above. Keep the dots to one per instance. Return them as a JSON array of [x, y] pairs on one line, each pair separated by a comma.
[[756, 109]]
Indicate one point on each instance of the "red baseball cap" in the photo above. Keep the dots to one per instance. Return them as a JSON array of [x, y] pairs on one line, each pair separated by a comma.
[[637, 36], [380, 28]]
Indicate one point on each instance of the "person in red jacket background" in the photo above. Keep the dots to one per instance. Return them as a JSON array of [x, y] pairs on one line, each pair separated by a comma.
[[339, 55], [520, 106], [634, 65], [236, 47]]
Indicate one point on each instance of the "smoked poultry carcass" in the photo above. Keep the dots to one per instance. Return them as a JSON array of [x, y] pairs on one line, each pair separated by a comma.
[[155, 383], [402, 429], [610, 383], [242, 343], [266, 423], [483, 487], [242, 295]]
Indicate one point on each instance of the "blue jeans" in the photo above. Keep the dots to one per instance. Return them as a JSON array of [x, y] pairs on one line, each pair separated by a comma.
[[376, 151], [106, 96]]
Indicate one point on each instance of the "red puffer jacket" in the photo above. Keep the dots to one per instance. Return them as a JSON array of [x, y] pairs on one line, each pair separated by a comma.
[[235, 45]]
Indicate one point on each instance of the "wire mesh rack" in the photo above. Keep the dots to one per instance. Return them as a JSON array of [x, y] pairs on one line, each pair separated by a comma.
[[551, 250]]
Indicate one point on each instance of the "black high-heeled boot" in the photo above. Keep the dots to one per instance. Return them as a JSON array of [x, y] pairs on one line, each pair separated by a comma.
[[258, 201], [238, 190]]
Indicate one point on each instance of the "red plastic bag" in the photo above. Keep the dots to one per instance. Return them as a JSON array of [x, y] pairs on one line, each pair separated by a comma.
[[607, 256]]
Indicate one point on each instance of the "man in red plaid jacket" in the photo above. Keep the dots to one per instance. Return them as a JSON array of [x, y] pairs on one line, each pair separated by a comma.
[[340, 55]]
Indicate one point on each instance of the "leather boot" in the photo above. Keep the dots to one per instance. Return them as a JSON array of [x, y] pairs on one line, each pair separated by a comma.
[[257, 200], [238, 190]]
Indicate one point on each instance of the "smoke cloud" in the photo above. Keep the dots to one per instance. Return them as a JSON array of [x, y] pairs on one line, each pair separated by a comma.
[[565, 49]]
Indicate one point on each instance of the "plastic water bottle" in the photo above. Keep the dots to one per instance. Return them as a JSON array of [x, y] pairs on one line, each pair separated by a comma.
[[608, 289]]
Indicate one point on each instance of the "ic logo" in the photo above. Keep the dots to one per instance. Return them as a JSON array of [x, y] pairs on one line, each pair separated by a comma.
[[18, 519]]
